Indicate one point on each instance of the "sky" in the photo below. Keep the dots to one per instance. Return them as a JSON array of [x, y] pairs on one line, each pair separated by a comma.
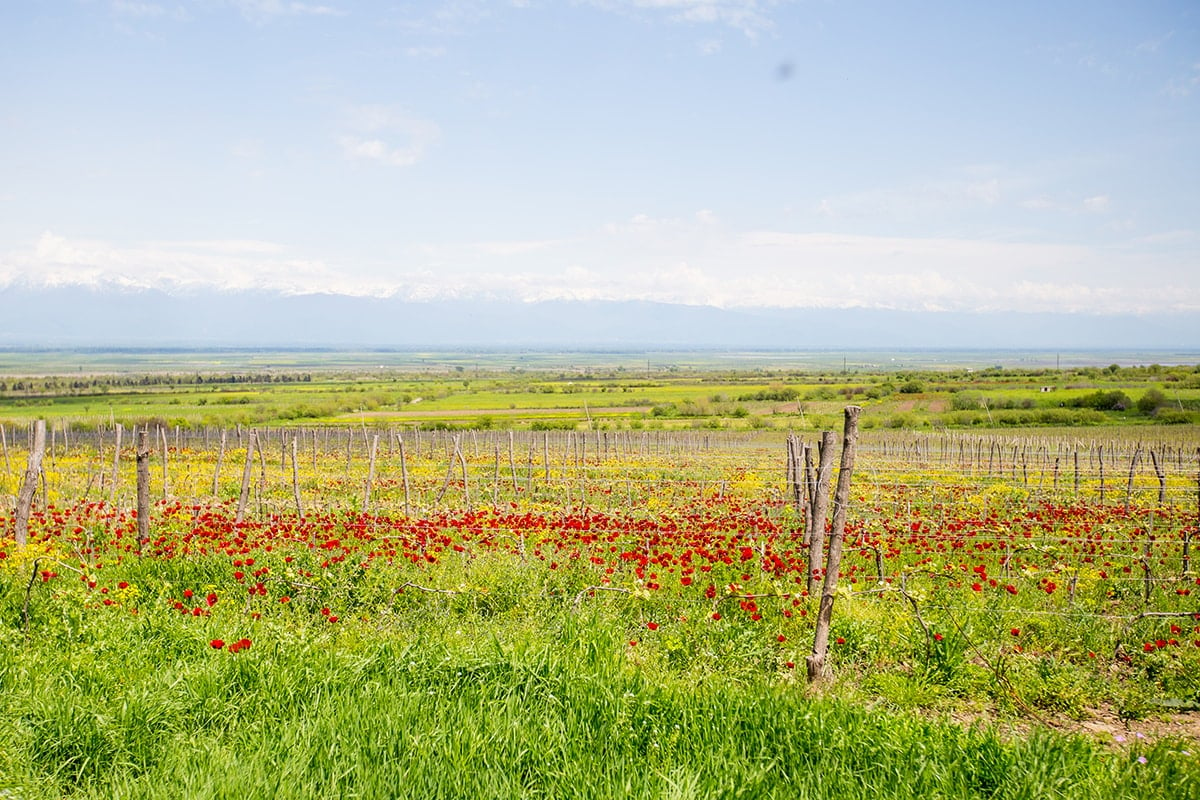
[[946, 156]]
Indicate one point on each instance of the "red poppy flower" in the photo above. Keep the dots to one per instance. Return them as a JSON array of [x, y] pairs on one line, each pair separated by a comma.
[[217, 644]]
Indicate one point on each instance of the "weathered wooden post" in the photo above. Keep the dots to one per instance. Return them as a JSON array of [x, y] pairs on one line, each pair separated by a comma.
[[1132, 466], [116, 470], [370, 474], [404, 474], [142, 455], [816, 662], [820, 506], [247, 470], [296, 479], [217, 470], [166, 487], [1161, 474], [30, 481]]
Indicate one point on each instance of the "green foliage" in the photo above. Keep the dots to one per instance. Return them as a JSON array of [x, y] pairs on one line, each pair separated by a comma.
[[1150, 401], [966, 400], [1112, 400], [782, 394]]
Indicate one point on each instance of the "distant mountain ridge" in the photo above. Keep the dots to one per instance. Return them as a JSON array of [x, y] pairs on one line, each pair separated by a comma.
[[78, 316]]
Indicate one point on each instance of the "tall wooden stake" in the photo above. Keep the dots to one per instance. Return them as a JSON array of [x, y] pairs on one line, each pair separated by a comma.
[[816, 662], [404, 475], [820, 507], [142, 454], [296, 480], [244, 497], [30, 482], [217, 470], [112, 497], [370, 474]]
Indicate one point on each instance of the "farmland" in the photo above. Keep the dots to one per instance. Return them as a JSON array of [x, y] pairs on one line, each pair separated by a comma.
[[365, 601], [600, 391]]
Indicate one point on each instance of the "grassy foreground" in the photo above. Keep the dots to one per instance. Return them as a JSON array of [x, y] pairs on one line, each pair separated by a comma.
[[448, 702]]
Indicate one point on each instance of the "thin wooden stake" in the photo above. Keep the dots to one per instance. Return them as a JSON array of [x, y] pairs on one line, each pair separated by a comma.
[[820, 506], [30, 482], [247, 471], [296, 480], [142, 455], [817, 669], [217, 471]]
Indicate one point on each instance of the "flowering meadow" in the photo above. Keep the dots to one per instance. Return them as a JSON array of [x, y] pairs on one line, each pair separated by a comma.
[[383, 612]]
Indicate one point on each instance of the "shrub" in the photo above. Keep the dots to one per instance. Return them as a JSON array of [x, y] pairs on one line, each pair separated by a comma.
[[1150, 401]]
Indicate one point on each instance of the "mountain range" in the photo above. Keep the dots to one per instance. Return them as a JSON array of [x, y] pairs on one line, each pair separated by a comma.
[[75, 316]]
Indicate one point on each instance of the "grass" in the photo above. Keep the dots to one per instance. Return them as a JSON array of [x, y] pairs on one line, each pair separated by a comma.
[[508, 679], [614, 391], [557, 705]]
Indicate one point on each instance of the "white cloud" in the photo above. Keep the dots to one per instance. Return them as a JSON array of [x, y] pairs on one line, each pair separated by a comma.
[[247, 148], [1184, 85], [1097, 204], [425, 52], [55, 260], [136, 9], [695, 260], [265, 10], [387, 135], [968, 188], [751, 17]]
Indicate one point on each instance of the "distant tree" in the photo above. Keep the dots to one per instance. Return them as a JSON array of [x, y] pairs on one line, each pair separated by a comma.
[[1150, 401]]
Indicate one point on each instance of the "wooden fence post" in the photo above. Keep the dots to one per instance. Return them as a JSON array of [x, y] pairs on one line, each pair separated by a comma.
[[217, 469], [816, 662], [112, 497], [142, 454], [820, 506], [244, 497], [296, 479], [370, 474], [404, 475], [30, 481]]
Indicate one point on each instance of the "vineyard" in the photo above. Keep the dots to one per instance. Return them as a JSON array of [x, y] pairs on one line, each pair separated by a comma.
[[299, 611]]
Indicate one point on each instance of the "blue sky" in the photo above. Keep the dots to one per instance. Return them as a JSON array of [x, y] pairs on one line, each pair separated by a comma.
[[924, 155]]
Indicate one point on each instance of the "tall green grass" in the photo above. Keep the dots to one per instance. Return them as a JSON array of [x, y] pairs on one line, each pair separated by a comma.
[[432, 704]]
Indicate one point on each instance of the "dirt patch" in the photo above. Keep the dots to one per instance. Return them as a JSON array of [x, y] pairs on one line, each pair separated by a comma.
[[1102, 725], [936, 406], [499, 412]]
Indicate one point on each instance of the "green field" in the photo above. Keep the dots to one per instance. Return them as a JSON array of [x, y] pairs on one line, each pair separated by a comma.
[[795, 391], [452, 597]]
